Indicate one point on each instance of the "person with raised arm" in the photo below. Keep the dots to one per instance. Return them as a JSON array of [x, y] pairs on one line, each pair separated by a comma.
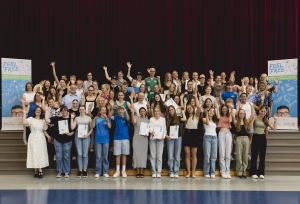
[[225, 139], [140, 140], [270, 87], [245, 83], [121, 138], [259, 143], [37, 155], [190, 139], [60, 84], [210, 143], [242, 124], [217, 86], [263, 99], [120, 80], [139, 76], [236, 88], [102, 124], [174, 142], [207, 94], [62, 140], [141, 103]]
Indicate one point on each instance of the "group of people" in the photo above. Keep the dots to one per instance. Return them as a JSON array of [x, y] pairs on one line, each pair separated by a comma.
[[148, 114]]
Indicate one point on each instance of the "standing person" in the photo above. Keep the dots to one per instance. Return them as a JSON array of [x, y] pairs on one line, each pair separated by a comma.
[[101, 123], [263, 99], [53, 94], [172, 92], [75, 110], [208, 95], [82, 142], [210, 143], [121, 139], [89, 82], [217, 86], [166, 84], [46, 88], [151, 81], [229, 93], [139, 104], [62, 141], [174, 144], [158, 103], [37, 156], [195, 80], [139, 76], [191, 139], [259, 143], [242, 126], [120, 78], [121, 102], [225, 140], [140, 142], [184, 80], [67, 99], [223, 78], [201, 87], [156, 145]]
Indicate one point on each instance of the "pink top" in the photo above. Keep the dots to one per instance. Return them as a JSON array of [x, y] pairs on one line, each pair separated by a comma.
[[224, 122]]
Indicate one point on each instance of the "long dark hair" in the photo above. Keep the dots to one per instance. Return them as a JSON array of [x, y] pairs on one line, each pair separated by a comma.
[[42, 113], [159, 103], [173, 118], [214, 118], [44, 87], [204, 105], [264, 119], [221, 112]]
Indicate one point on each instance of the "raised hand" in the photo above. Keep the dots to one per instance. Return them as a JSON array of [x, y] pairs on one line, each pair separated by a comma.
[[104, 67], [211, 72], [243, 80], [73, 115], [23, 100], [129, 65], [232, 73], [255, 80], [158, 78], [61, 92], [276, 80], [52, 64], [82, 96]]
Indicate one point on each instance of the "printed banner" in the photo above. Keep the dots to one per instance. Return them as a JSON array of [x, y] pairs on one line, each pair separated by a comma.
[[285, 100], [15, 74]]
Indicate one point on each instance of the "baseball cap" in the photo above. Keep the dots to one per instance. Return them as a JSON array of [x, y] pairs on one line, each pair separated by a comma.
[[114, 77], [202, 76], [139, 73]]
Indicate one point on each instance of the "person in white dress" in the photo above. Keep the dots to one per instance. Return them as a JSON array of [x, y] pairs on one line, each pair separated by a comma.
[[37, 155]]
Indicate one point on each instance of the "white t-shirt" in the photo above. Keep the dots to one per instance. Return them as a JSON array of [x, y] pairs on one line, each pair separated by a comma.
[[247, 107], [138, 105]]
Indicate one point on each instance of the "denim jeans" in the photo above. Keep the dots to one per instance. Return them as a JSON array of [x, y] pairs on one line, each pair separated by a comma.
[[101, 152], [63, 161], [174, 150], [82, 147], [225, 142], [156, 148], [210, 147]]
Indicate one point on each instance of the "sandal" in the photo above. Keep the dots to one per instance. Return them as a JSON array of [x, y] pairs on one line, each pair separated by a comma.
[[36, 174], [141, 175], [138, 175], [40, 175]]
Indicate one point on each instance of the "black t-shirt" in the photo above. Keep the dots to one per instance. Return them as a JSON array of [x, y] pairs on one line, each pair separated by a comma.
[[201, 89], [95, 112], [76, 112], [115, 90], [62, 138], [242, 132]]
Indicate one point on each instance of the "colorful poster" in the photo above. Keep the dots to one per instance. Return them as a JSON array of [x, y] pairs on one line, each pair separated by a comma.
[[15, 74], [285, 100]]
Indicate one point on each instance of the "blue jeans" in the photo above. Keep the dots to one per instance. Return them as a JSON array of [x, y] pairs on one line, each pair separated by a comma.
[[82, 147], [101, 152], [156, 148], [225, 142], [174, 150], [63, 162], [210, 147]]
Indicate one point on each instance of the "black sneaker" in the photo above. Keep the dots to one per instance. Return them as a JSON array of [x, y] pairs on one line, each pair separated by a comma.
[[244, 177], [79, 174], [84, 174]]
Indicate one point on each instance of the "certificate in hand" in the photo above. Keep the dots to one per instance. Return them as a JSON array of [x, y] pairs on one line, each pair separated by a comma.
[[82, 130], [144, 129], [171, 102], [174, 129], [158, 133], [63, 126], [163, 97]]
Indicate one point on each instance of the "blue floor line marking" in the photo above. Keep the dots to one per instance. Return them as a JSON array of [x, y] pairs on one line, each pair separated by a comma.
[[86, 196]]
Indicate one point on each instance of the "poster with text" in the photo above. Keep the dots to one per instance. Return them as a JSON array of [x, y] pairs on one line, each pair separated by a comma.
[[285, 100], [15, 74]]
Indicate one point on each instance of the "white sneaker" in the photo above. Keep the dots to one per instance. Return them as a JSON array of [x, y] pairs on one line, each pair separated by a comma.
[[117, 174], [224, 176], [228, 176], [97, 175], [73, 158], [249, 157], [213, 176], [153, 175], [124, 175], [171, 175], [106, 175], [207, 176], [176, 176], [158, 175], [58, 175], [254, 176], [66, 175], [54, 158], [261, 176], [231, 158]]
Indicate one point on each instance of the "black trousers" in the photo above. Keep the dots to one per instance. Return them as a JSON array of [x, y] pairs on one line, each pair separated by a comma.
[[258, 148]]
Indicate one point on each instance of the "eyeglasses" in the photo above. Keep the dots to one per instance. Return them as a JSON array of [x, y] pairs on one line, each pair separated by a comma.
[[20, 113], [283, 113]]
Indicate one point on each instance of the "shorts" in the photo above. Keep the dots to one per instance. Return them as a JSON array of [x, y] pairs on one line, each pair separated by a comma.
[[190, 138], [121, 147]]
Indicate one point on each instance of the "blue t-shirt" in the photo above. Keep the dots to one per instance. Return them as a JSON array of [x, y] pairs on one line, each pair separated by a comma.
[[101, 131], [32, 106], [121, 128], [136, 90], [230, 94]]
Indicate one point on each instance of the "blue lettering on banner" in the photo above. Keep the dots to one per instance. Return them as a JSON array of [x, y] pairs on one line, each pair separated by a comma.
[[10, 67], [276, 68]]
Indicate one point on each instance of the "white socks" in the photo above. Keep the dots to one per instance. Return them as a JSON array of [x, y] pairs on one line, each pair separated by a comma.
[[118, 168], [123, 168]]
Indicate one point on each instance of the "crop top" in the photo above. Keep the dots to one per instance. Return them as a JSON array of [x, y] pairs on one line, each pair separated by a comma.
[[224, 123], [243, 132]]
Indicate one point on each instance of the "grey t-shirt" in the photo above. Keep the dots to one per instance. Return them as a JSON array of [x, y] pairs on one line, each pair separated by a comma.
[[86, 120]]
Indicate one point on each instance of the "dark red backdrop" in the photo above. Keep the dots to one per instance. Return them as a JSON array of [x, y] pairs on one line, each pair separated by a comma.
[[81, 36]]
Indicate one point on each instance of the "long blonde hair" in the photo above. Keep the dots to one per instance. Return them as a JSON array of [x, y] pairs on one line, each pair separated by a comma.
[[239, 120]]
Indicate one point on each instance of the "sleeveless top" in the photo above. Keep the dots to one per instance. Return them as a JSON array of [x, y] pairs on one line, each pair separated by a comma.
[[210, 129], [124, 104], [192, 123], [243, 132], [259, 126]]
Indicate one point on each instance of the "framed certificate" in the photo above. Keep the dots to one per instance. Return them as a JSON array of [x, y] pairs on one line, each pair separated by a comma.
[[89, 106], [63, 126], [174, 130], [158, 132], [144, 129], [82, 130]]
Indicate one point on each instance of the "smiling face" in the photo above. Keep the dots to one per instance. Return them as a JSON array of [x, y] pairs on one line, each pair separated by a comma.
[[142, 112], [82, 110], [262, 112], [208, 90], [189, 109], [176, 99], [171, 111], [211, 112], [156, 112], [47, 84], [208, 103], [224, 110], [241, 114]]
